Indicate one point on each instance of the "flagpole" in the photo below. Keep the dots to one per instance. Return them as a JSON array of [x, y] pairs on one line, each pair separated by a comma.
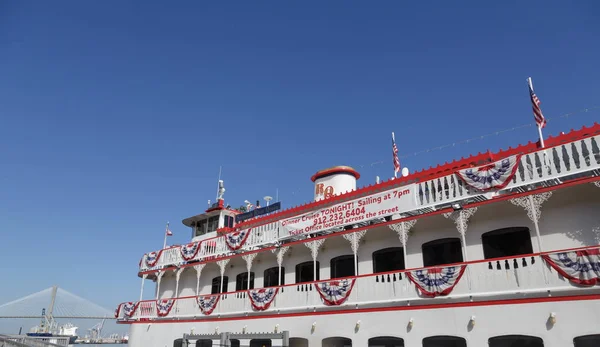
[[166, 229], [394, 141], [530, 83]]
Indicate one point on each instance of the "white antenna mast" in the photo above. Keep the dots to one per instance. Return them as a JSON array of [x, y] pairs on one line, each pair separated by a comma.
[[218, 184]]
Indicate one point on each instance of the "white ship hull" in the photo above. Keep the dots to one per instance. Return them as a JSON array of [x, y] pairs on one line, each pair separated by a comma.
[[511, 263], [573, 318]]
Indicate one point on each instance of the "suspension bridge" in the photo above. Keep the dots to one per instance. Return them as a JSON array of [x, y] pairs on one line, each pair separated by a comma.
[[54, 303]]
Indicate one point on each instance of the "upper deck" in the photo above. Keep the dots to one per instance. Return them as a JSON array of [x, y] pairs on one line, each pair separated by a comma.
[[569, 158]]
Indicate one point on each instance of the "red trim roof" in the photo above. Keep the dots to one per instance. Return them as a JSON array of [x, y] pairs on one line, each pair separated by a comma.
[[430, 173], [335, 170]]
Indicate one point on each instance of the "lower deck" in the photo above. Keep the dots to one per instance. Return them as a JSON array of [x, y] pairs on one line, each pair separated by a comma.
[[551, 322]]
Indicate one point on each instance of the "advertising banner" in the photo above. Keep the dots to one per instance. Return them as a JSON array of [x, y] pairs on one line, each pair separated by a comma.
[[258, 212], [378, 205]]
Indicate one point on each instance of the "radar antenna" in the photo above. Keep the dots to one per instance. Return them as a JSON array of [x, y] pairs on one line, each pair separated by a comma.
[[268, 199]]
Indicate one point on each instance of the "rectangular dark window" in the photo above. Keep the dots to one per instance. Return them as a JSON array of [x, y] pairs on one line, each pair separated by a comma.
[[270, 277], [305, 272], [441, 252], [213, 223], [216, 284]]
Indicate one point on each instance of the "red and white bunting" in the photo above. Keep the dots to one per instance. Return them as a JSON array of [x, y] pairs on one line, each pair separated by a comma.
[[261, 298], [207, 303], [152, 258], [189, 251], [236, 240], [129, 308], [434, 282], [580, 267], [118, 310], [163, 307], [496, 175], [335, 292]]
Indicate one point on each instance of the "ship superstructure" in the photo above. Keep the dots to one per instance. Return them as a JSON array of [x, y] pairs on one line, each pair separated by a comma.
[[498, 249]]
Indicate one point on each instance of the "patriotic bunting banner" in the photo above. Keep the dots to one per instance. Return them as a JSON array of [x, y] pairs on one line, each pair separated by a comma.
[[207, 303], [437, 281], [262, 298], [236, 240], [496, 175], [580, 267], [129, 308], [152, 258], [117, 311], [163, 307], [189, 251], [335, 292]]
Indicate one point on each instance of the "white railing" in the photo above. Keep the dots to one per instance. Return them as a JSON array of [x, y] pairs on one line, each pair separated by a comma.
[[482, 280], [550, 164], [260, 236]]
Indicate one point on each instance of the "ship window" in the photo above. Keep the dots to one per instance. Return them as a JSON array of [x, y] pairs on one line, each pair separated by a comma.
[[387, 341], [342, 266], [388, 259], [228, 221], [216, 285], [515, 341], [444, 341], [204, 343], [260, 343], [506, 242], [305, 272], [213, 223], [587, 341], [241, 281], [178, 343], [201, 227], [270, 277], [442, 251], [337, 341]]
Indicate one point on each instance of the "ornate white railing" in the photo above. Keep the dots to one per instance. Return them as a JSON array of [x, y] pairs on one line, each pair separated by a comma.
[[260, 236], [551, 165], [503, 278]]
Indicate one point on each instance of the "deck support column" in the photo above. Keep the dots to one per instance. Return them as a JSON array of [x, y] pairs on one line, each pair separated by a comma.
[[158, 279], [177, 276], [280, 253], [144, 276], [198, 269], [176, 294], [249, 258], [314, 252], [403, 230], [222, 264], [533, 205], [461, 219], [354, 239]]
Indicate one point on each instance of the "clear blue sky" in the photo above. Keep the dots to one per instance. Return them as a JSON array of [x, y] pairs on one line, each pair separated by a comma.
[[115, 116]]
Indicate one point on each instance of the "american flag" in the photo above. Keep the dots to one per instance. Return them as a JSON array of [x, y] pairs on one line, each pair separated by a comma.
[[168, 231], [395, 153], [535, 104]]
